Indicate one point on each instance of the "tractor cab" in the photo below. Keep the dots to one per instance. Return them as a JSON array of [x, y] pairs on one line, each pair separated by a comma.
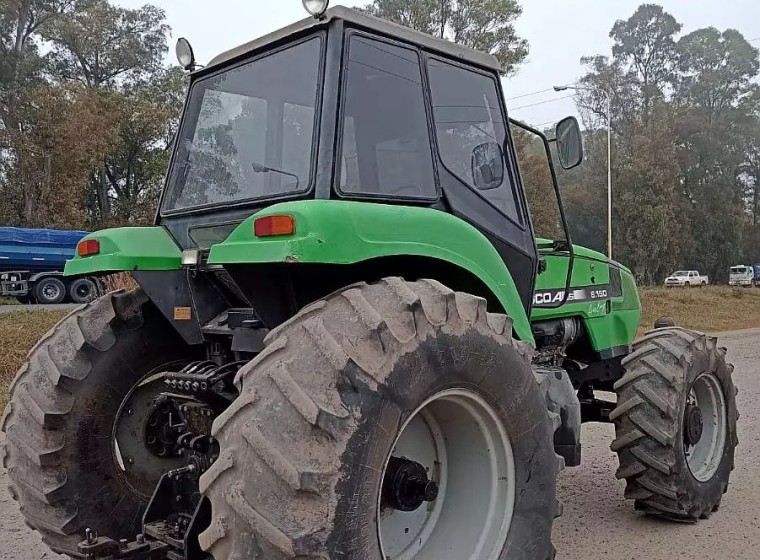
[[348, 107]]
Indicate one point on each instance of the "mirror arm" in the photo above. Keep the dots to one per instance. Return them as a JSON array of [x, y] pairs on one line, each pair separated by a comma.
[[563, 217]]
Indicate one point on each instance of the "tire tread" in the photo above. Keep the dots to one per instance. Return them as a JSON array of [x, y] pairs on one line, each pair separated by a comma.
[[646, 420]]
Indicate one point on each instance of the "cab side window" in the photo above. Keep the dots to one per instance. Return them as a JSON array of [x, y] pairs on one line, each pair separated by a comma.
[[386, 140], [468, 115]]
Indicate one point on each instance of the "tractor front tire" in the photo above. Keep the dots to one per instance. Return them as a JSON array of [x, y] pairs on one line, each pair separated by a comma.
[[59, 449], [403, 377], [675, 424]]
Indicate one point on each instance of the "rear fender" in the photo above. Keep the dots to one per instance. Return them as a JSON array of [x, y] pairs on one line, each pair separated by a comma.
[[329, 232], [128, 249]]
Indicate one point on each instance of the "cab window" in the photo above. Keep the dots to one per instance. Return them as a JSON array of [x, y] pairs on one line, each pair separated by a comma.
[[385, 148], [468, 115]]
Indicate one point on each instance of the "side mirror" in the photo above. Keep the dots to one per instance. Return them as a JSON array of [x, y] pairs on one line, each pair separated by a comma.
[[487, 166], [569, 143]]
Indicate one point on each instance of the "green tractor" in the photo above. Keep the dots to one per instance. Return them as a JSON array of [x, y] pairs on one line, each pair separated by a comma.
[[347, 342]]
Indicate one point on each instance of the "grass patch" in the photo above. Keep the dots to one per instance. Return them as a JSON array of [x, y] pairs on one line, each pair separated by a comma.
[[8, 301], [708, 309], [19, 332]]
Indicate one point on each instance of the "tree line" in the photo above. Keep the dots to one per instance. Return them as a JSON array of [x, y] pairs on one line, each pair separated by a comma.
[[87, 111], [686, 148]]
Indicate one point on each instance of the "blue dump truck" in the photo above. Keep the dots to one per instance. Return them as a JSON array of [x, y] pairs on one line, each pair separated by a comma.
[[31, 266]]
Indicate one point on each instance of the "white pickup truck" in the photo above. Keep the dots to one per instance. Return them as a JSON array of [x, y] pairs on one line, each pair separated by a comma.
[[686, 278]]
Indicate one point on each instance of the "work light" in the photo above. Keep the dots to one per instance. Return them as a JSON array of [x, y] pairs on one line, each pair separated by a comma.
[[185, 54], [316, 7]]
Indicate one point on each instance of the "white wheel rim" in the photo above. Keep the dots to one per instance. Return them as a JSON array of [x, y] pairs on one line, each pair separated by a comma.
[[463, 445], [705, 456]]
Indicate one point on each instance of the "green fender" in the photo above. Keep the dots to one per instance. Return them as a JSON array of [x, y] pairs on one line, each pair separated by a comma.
[[339, 232], [611, 321], [129, 248]]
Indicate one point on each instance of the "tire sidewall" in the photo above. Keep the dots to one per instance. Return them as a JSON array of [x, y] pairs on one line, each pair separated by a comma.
[[499, 374], [710, 491]]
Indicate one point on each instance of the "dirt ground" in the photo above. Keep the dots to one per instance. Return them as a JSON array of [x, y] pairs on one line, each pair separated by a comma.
[[598, 523]]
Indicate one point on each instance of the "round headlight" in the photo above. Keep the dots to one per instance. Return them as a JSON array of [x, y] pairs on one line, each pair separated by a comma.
[[185, 55], [316, 7]]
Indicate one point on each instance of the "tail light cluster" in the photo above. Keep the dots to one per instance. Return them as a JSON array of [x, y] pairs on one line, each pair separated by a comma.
[[88, 247], [272, 226]]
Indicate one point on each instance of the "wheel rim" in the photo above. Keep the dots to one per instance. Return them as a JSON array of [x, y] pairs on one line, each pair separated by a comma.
[[705, 427], [137, 466], [83, 290], [51, 292], [463, 447]]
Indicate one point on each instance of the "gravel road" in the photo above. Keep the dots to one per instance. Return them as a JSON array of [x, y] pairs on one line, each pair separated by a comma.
[[597, 524]]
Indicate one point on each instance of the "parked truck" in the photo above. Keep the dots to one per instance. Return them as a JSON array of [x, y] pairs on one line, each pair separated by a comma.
[[741, 275], [686, 279], [756, 273], [32, 262]]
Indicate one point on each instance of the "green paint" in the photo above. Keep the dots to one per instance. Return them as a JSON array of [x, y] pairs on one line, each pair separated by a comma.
[[608, 324], [338, 232], [130, 248]]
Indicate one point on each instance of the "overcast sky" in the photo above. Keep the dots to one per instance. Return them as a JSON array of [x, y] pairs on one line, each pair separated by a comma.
[[559, 32]]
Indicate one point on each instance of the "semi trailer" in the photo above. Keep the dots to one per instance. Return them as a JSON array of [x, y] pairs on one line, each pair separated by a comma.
[[32, 263]]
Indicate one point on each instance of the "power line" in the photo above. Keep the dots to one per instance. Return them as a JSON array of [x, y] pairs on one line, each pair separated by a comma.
[[529, 94], [539, 125], [542, 102]]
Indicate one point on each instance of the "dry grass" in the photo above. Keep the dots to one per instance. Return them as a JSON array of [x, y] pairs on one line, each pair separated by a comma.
[[118, 281], [19, 331], [709, 309]]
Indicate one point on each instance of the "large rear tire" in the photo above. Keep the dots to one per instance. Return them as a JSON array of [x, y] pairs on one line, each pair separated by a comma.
[[59, 423], [395, 369], [675, 424]]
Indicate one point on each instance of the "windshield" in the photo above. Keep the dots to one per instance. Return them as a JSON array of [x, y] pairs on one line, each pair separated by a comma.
[[739, 270], [680, 273], [248, 132]]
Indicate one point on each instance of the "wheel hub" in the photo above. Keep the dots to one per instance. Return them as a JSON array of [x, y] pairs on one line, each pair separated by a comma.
[[694, 424], [406, 485]]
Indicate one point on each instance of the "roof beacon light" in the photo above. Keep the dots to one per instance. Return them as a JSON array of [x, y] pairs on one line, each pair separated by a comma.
[[317, 8], [185, 55]]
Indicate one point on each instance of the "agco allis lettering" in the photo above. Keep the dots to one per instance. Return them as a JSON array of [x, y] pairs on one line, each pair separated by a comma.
[[553, 297]]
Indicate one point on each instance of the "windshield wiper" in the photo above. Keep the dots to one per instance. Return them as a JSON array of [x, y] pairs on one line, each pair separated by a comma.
[[261, 168]]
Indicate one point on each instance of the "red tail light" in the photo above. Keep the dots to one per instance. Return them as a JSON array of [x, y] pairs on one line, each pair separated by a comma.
[[88, 247], [271, 226]]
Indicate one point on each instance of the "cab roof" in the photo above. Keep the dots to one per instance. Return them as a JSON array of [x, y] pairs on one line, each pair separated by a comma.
[[370, 23]]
